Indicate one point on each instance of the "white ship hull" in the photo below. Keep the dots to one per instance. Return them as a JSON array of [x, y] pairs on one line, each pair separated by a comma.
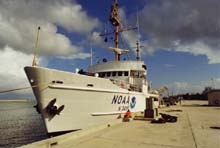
[[87, 100]]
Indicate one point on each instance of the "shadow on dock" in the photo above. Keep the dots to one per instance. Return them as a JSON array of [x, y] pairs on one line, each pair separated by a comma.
[[196, 105]]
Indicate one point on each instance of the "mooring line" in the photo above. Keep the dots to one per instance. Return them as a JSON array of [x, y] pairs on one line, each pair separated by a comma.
[[21, 88]]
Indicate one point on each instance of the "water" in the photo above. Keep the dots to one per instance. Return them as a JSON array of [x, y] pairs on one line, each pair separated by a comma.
[[20, 124]]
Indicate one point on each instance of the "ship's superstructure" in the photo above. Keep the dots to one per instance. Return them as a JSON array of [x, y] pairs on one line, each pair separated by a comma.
[[130, 75], [70, 101]]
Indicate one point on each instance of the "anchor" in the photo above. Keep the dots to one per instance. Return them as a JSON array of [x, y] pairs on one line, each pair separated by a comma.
[[37, 108], [53, 109]]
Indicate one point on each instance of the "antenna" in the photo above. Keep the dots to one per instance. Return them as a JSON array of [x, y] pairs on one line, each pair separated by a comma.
[[138, 26], [138, 51], [35, 62], [91, 52], [138, 38]]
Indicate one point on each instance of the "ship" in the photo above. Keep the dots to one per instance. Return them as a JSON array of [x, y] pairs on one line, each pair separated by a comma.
[[69, 101]]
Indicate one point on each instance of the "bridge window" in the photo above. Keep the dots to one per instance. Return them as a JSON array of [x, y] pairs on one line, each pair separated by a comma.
[[102, 74], [108, 74], [120, 73], [114, 74], [126, 73], [137, 74]]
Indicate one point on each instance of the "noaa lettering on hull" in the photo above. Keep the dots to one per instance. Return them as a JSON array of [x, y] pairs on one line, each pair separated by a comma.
[[120, 99], [69, 101]]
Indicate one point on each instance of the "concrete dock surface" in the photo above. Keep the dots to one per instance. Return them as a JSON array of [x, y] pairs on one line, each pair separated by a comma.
[[198, 126]]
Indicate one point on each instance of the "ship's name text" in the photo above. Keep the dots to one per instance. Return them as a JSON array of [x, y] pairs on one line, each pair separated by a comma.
[[119, 99]]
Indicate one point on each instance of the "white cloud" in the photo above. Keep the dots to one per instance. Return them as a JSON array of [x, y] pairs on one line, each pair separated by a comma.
[[199, 48], [72, 17], [188, 26], [97, 39], [12, 69], [19, 21], [131, 39], [188, 87], [78, 56]]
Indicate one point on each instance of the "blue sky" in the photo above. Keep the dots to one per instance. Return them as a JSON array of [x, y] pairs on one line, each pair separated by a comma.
[[181, 39]]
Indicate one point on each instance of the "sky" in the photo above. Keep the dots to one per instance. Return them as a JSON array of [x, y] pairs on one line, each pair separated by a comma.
[[180, 39]]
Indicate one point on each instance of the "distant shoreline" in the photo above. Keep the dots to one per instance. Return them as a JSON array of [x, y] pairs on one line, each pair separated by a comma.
[[14, 100]]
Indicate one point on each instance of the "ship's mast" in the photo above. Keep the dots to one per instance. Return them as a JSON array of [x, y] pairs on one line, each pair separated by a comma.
[[35, 62], [138, 51], [115, 20], [138, 38], [117, 24]]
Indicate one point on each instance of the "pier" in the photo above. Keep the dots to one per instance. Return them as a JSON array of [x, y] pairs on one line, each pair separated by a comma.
[[14, 100], [198, 126]]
